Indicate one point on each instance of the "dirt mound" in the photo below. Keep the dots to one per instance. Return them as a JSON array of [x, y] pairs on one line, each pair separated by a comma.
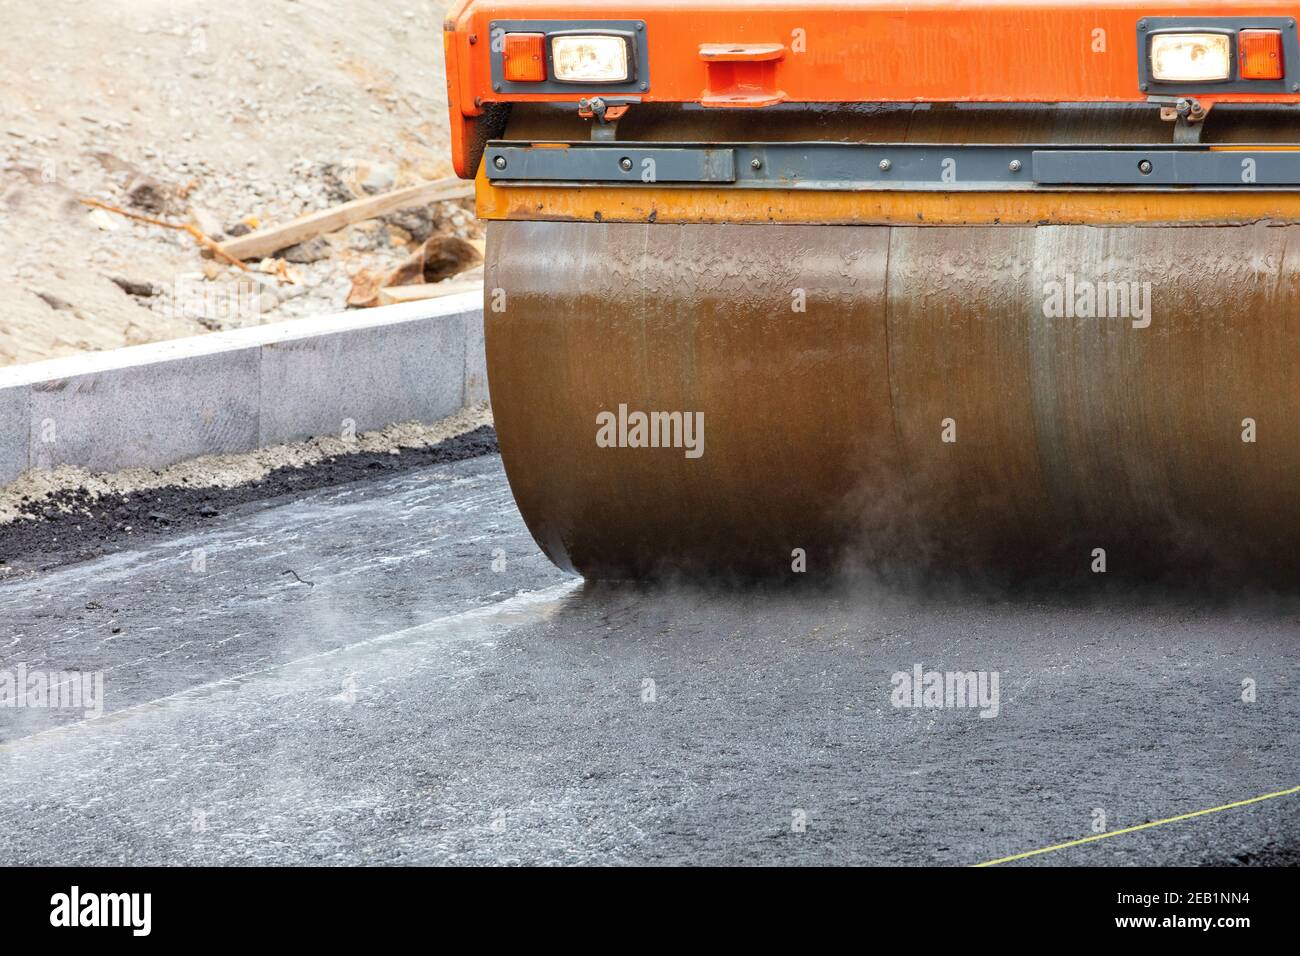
[[226, 117]]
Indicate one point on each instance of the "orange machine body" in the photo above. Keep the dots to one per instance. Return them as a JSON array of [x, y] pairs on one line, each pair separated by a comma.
[[839, 51]]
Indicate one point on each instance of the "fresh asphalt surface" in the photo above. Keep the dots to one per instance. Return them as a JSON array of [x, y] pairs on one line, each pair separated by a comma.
[[439, 693]]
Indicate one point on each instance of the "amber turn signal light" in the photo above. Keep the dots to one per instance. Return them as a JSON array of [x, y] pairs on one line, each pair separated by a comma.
[[1259, 53], [524, 57]]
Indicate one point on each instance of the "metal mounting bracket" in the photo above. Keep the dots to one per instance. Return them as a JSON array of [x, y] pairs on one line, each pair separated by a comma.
[[1186, 113], [604, 114]]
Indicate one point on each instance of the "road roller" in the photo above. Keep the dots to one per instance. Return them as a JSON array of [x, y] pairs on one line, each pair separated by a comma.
[[784, 286]]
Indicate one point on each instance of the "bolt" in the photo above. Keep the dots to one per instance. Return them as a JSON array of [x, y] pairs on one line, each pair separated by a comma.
[[473, 38], [884, 165], [1142, 25], [640, 25], [755, 163], [1014, 165], [625, 164], [644, 87], [499, 162], [1144, 167]]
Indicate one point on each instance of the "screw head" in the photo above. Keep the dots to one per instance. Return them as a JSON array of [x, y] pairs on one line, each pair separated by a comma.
[[755, 163], [1144, 167], [884, 165], [499, 162], [625, 164], [1014, 165]]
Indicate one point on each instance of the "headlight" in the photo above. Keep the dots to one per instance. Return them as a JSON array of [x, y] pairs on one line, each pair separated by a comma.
[[1190, 57], [589, 59]]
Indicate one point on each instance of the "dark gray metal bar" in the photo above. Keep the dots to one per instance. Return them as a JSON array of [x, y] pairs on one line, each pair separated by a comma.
[[621, 163], [861, 166], [1127, 167]]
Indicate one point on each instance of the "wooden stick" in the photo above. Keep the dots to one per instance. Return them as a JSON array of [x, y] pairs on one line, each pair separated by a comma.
[[429, 290], [193, 230], [265, 242]]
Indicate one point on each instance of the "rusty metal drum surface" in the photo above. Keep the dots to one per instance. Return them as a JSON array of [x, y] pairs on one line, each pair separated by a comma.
[[900, 396]]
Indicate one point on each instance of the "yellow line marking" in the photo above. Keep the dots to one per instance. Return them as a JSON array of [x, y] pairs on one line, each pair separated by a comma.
[[1141, 826]]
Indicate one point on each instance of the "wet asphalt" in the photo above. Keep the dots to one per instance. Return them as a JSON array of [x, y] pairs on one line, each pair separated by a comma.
[[388, 671]]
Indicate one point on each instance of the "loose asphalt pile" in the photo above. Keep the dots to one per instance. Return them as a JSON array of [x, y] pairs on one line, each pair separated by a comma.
[[73, 524]]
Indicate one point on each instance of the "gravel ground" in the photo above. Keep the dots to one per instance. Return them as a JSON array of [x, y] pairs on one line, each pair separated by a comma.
[[225, 117], [53, 518]]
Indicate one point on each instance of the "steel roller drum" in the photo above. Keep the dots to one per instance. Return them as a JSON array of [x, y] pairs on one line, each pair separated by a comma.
[[899, 396]]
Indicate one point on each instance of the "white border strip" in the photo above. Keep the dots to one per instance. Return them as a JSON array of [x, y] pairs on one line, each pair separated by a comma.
[[149, 406]]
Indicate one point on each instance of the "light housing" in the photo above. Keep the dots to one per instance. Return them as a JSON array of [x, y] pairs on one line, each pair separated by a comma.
[[1191, 57], [1259, 54], [590, 58], [523, 57]]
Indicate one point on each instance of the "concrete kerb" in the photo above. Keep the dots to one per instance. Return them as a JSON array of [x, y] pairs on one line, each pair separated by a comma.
[[149, 406]]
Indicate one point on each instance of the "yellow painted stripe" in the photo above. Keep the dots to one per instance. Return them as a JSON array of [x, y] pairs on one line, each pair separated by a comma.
[[712, 205], [1142, 826], [1238, 148]]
